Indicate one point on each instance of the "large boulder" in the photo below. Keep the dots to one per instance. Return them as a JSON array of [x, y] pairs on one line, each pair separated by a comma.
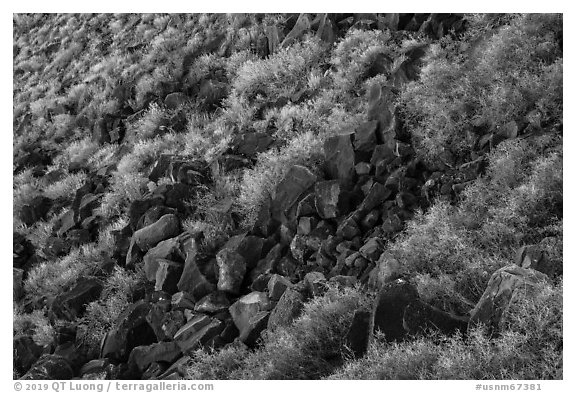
[[389, 308], [166, 227], [251, 143], [339, 156], [250, 315], [50, 367], [502, 286]]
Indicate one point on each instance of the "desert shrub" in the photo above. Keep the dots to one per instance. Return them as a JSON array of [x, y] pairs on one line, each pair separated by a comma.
[[310, 348], [48, 279], [101, 314], [280, 74], [530, 348], [354, 54], [35, 323], [480, 83], [260, 181]]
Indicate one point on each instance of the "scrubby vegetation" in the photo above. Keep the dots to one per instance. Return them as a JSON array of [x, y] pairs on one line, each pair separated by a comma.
[[93, 111]]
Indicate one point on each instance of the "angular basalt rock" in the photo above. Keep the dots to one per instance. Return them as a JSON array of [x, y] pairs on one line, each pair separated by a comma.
[[297, 180], [198, 332], [420, 318], [288, 308], [70, 304], [277, 285], [17, 288], [167, 275], [339, 156], [142, 356], [371, 250], [375, 197], [358, 335], [213, 303], [250, 315], [168, 249], [36, 210], [365, 137], [329, 199], [26, 352], [389, 308], [192, 279], [166, 227], [534, 257], [130, 330], [231, 271], [50, 367], [502, 286]]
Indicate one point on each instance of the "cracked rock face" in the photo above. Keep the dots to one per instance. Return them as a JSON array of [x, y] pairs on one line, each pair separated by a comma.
[[505, 283]]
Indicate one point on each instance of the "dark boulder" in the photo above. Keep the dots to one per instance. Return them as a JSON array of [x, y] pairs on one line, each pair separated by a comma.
[[130, 330], [358, 335], [420, 318], [297, 180], [50, 367], [168, 249], [331, 199], [72, 303], [535, 257], [389, 308], [26, 352], [18, 287], [365, 136], [36, 210]]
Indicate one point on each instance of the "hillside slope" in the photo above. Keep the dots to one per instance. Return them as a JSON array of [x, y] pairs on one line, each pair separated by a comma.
[[288, 196]]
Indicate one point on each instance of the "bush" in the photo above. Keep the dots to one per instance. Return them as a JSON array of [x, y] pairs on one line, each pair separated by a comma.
[[261, 181], [476, 86]]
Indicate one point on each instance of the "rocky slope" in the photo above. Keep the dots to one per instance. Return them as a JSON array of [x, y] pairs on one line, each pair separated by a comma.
[[320, 227]]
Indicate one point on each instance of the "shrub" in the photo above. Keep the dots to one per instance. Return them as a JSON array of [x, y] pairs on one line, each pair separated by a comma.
[[482, 82], [280, 74], [101, 314], [260, 181]]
